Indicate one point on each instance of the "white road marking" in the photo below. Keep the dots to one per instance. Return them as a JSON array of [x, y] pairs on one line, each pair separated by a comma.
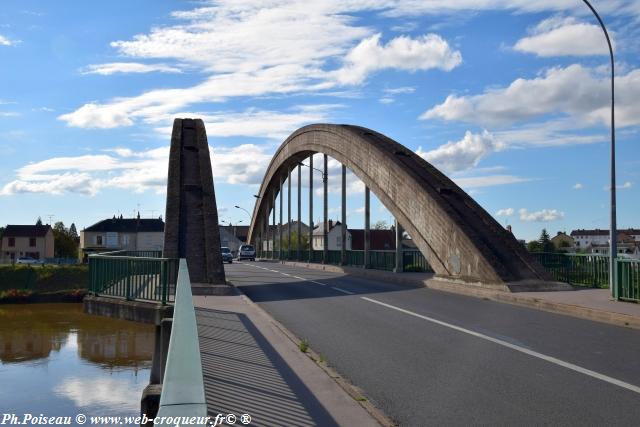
[[317, 283], [298, 277], [343, 291], [532, 353]]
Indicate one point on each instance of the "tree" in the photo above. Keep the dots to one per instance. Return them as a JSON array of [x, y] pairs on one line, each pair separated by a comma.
[[545, 242], [304, 242], [1, 232], [73, 232], [380, 225], [65, 245], [534, 246], [39, 221]]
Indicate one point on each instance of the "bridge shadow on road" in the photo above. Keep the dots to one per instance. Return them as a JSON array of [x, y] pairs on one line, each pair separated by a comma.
[[244, 374], [266, 288]]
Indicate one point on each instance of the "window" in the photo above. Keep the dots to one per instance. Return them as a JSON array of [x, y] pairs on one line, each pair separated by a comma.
[[99, 240], [32, 242], [125, 239], [12, 242]]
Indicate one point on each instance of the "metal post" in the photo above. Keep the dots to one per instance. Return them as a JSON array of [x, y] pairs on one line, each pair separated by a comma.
[[311, 208], [399, 258], [367, 220], [280, 223], [289, 214], [343, 237], [325, 237], [299, 211], [273, 248], [613, 233]]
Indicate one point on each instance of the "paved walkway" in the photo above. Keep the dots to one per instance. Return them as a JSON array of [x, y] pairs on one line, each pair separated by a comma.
[[251, 367]]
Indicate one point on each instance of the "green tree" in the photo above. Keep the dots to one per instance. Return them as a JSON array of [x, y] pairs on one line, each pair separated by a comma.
[[39, 221], [65, 245], [534, 246], [1, 232], [545, 242], [304, 241], [73, 232]]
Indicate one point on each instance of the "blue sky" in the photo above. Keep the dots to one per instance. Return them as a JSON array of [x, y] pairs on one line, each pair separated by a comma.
[[508, 97]]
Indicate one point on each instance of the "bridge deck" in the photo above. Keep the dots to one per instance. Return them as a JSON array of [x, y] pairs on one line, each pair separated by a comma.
[[244, 374]]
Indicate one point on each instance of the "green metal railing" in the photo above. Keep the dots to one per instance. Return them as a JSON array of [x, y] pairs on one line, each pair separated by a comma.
[[133, 277], [593, 270], [577, 269], [628, 277], [412, 260]]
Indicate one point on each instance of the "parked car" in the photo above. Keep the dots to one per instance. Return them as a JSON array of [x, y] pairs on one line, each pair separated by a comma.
[[28, 260], [227, 256], [247, 252]]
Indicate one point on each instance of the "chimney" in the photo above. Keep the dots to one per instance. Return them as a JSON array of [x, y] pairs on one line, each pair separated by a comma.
[[330, 224], [509, 229]]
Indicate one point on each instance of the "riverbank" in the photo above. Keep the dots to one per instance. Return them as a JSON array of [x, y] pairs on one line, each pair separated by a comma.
[[38, 284]]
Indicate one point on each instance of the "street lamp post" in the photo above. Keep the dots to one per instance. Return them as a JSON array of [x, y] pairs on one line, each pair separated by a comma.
[[613, 238]]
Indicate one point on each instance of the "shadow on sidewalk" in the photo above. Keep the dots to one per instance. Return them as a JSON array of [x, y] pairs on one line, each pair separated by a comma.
[[243, 374]]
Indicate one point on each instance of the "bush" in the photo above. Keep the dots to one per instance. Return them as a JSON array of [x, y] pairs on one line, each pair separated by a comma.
[[45, 278]]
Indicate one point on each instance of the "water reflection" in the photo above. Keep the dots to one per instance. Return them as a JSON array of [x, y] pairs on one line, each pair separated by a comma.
[[59, 361], [31, 332]]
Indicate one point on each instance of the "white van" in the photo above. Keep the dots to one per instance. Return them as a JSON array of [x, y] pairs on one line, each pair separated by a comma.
[[247, 252]]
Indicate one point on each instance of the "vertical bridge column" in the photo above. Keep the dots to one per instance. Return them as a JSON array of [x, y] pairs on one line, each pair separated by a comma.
[[325, 239], [399, 256], [311, 208], [280, 223], [299, 212], [289, 215], [273, 230], [367, 219], [343, 236]]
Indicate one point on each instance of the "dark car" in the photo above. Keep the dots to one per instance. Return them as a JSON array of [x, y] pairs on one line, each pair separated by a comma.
[[227, 256], [247, 252]]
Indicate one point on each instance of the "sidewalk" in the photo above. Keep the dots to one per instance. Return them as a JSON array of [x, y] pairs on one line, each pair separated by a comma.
[[585, 303], [251, 365]]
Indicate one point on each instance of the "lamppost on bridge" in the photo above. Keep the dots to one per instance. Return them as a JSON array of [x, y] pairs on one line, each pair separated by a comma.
[[613, 238]]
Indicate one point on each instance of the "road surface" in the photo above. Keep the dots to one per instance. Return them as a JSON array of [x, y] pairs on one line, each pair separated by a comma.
[[434, 358]]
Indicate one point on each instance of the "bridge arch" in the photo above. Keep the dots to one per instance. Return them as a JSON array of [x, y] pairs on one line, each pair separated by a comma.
[[455, 234]]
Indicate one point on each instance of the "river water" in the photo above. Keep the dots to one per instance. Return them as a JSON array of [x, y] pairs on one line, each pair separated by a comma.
[[57, 361]]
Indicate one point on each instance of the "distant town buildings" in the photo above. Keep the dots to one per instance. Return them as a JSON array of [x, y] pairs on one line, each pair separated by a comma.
[[597, 242], [34, 241], [118, 233]]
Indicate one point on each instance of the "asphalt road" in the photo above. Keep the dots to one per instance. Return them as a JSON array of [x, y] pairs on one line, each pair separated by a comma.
[[433, 358]]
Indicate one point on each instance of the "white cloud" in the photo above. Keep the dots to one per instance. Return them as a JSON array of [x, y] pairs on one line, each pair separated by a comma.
[[5, 41], [540, 216], [136, 171], [404, 53], [386, 100], [625, 186], [574, 91], [564, 36], [128, 67], [505, 212], [9, 114], [488, 181], [578, 186], [399, 90], [98, 393], [253, 122], [464, 154]]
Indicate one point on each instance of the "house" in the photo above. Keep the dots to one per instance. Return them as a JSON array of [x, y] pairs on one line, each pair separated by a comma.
[[627, 247], [334, 236], [379, 240], [563, 240], [35, 241], [118, 233], [585, 238]]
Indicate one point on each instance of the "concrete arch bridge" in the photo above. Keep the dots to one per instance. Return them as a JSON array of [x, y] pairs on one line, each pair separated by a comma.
[[459, 239]]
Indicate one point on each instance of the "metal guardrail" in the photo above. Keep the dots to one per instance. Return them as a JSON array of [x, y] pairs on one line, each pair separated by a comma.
[[577, 269], [183, 384], [413, 260], [628, 277], [120, 274], [593, 270]]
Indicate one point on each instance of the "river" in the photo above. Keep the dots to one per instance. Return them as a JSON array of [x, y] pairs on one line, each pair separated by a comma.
[[57, 361]]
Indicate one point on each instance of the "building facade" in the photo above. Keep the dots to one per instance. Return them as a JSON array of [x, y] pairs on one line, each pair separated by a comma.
[[34, 241], [133, 234], [334, 237]]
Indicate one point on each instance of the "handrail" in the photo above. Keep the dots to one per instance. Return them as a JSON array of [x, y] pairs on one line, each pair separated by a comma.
[[183, 385]]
